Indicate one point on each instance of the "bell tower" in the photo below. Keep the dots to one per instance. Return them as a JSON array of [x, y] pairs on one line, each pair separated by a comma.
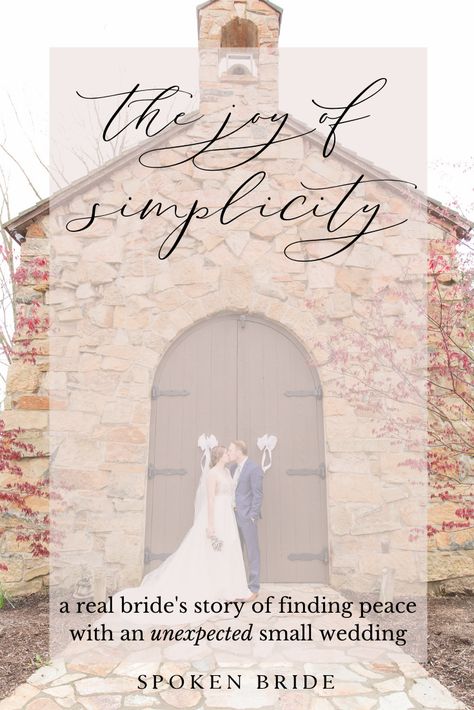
[[238, 49]]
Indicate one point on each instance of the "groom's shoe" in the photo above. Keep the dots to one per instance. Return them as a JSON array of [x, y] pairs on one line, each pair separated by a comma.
[[251, 598]]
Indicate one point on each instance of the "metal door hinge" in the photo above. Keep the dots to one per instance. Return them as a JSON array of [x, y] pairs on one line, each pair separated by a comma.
[[149, 556], [153, 471], [320, 471], [156, 392], [316, 392], [322, 556]]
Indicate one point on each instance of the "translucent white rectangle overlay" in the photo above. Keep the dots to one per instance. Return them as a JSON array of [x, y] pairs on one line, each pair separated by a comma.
[[255, 269]]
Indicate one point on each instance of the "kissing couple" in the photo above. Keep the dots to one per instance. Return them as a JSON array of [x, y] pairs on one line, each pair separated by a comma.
[[209, 562], [234, 486]]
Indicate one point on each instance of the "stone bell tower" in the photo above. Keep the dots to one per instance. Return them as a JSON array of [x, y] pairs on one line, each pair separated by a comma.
[[238, 47]]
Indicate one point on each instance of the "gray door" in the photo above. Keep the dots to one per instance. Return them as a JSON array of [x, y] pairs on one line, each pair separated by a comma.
[[238, 378]]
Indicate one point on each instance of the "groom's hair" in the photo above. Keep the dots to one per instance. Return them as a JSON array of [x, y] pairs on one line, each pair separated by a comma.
[[241, 445]]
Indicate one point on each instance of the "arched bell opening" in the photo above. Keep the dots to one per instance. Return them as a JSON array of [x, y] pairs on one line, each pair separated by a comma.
[[239, 46], [239, 32]]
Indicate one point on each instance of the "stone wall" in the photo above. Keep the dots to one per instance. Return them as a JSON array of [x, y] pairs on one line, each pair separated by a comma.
[[26, 406], [451, 549], [237, 280], [214, 16], [116, 308]]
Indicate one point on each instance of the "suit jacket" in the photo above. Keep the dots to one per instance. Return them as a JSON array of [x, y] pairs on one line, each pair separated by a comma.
[[249, 491]]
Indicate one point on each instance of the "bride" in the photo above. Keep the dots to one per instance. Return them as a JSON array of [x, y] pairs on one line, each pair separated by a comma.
[[208, 564]]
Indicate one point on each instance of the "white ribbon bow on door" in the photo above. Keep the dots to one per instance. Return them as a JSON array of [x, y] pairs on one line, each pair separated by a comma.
[[206, 443], [266, 444]]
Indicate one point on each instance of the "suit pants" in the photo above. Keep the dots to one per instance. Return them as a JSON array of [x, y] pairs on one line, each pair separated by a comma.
[[249, 536]]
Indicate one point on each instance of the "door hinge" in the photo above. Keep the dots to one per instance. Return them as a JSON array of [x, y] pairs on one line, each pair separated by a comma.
[[316, 392], [322, 556], [320, 471], [156, 392], [242, 321], [150, 556], [153, 471]]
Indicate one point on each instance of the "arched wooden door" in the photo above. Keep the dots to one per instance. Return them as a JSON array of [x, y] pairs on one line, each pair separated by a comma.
[[241, 377]]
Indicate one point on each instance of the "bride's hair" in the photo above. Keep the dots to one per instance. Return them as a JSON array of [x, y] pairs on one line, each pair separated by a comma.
[[216, 454]]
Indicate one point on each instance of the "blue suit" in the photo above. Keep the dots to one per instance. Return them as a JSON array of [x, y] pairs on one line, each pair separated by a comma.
[[248, 503]]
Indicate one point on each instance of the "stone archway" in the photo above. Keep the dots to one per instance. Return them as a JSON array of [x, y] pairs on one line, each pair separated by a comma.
[[241, 376]]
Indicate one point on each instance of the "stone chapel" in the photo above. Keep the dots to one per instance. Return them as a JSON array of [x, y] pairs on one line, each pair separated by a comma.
[[226, 337]]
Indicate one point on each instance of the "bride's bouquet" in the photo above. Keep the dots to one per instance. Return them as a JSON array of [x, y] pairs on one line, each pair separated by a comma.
[[216, 543]]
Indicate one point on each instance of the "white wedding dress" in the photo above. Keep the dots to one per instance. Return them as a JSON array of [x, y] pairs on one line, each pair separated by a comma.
[[195, 571]]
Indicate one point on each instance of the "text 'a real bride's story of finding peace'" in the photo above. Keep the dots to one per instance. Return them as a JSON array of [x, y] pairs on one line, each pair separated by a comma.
[[285, 604]]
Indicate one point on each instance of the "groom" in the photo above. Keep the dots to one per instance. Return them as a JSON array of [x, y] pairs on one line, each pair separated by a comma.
[[248, 477]]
